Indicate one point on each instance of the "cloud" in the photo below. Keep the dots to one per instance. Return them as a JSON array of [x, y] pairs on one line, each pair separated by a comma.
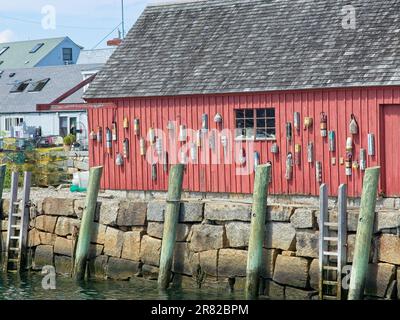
[[6, 35]]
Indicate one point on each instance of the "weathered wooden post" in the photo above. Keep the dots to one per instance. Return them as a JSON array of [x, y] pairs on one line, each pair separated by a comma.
[[364, 234], [171, 219], [3, 168], [257, 231], [85, 231]]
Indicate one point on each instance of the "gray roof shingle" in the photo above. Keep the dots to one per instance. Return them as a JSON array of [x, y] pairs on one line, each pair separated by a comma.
[[221, 46]]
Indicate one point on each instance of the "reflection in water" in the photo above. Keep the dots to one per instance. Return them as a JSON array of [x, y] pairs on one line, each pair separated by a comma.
[[29, 287]]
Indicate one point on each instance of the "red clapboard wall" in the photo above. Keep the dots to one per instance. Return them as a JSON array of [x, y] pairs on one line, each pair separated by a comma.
[[365, 103]]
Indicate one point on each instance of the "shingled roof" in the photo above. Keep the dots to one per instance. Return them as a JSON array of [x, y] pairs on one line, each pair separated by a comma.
[[221, 46]]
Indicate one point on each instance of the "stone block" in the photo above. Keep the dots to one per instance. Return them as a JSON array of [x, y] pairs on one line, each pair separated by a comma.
[[150, 272], [131, 213], [227, 211], [274, 291], [63, 264], [43, 257], [98, 267], [33, 238], [79, 205], [379, 278], [121, 269], [109, 212], [156, 229], [232, 263], [95, 250], [182, 263], [47, 238], [292, 271], [207, 237], [99, 233], [114, 241], [238, 234], [46, 223], [131, 246], [150, 250], [280, 235], [63, 246], [155, 211], [389, 249], [58, 207], [191, 212], [387, 220], [66, 226], [314, 274], [303, 219], [307, 244], [279, 213], [269, 259], [209, 262]]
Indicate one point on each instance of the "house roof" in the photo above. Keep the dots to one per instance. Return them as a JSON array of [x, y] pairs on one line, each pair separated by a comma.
[[221, 46], [18, 54], [62, 79], [95, 56]]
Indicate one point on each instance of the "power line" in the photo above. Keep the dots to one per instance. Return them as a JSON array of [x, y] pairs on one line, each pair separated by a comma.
[[58, 25], [106, 36]]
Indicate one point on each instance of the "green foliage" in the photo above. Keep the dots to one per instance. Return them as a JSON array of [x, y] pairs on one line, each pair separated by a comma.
[[69, 139]]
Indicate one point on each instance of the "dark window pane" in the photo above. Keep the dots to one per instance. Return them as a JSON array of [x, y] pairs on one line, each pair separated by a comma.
[[261, 123], [261, 133], [271, 123], [249, 113], [249, 123], [240, 123], [239, 114], [271, 133], [270, 112], [260, 113]]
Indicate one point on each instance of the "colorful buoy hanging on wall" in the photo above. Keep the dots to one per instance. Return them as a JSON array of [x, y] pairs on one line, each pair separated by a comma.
[[152, 135], [296, 121], [182, 133], [297, 154], [371, 144], [126, 148], [154, 172], [204, 122], [99, 134], [310, 152], [119, 161], [289, 166], [324, 124], [93, 135], [142, 144], [318, 171], [256, 160], [108, 140], [332, 141], [274, 148], [114, 131], [289, 133], [136, 127], [353, 127], [363, 159], [126, 123]]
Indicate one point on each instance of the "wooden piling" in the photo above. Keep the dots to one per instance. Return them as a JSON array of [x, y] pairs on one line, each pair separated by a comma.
[[85, 231], [364, 234], [171, 219], [257, 231]]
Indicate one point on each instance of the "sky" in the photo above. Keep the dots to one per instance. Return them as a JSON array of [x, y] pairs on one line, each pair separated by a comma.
[[86, 22]]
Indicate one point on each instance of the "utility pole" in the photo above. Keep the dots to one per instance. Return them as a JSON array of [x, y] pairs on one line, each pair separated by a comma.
[[123, 19]]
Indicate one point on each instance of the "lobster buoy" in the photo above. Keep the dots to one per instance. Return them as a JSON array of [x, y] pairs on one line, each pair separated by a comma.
[[211, 141], [363, 159], [371, 144], [92, 135], [204, 122], [183, 157], [182, 133], [99, 134], [126, 123], [165, 164], [310, 152], [119, 161], [297, 154], [159, 147], [353, 127], [332, 141], [308, 123], [349, 147], [136, 127], [289, 166], [198, 139], [193, 152], [114, 131], [218, 118], [318, 171], [256, 160], [296, 121], [289, 133], [154, 172], [242, 157], [152, 135], [126, 148], [324, 124], [270, 173], [274, 148], [108, 140]]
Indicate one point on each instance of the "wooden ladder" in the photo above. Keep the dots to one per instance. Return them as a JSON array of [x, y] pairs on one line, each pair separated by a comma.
[[18, 222], [332, 246]]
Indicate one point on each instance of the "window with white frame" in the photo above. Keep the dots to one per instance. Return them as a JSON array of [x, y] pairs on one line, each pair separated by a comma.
[[12, 122], [255, 124]]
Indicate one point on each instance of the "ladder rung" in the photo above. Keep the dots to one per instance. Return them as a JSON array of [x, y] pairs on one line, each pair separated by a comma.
[[12, 260], [16, 215], [331, 239], [15, 226], [330, 283], [16, 203], [330, 253], [14, 237], [14, 249], [330, 224], [329, 297], [330, 268]]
